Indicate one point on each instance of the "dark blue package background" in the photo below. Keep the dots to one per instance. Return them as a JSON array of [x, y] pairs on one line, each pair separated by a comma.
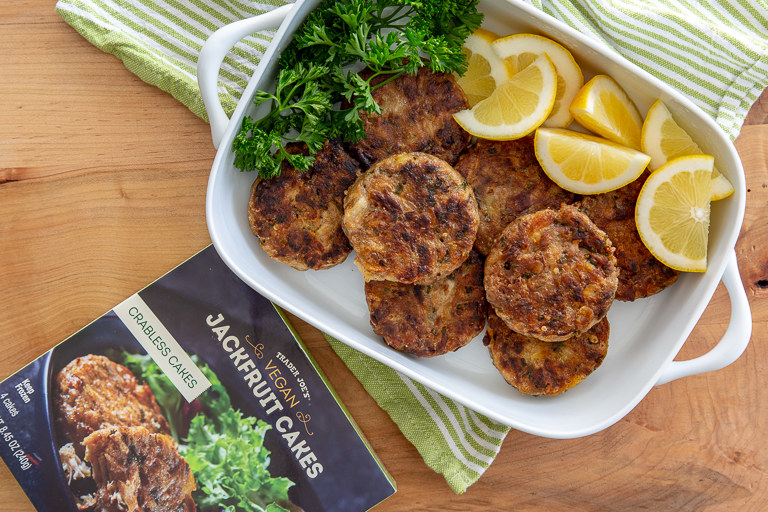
[[29, 428], [182, 300]]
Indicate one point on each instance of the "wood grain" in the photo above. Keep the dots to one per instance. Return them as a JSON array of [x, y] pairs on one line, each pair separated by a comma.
[[102, 190]]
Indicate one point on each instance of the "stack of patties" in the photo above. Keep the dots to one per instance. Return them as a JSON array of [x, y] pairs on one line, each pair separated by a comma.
[[550, 277], [550, 273], [412, 221]]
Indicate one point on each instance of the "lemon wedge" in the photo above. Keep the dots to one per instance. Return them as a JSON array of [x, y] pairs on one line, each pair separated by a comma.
[[585, 164], [721, 187], [516, 107], [672, 212], [604, 108], [485, 70], [518, 50], [663, 139]]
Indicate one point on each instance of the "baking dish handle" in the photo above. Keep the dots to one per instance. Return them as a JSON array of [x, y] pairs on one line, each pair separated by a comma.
[[212, 55], [734, 341]]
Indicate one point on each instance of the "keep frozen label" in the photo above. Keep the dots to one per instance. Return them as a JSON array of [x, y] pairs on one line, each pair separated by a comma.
[[162, 347]]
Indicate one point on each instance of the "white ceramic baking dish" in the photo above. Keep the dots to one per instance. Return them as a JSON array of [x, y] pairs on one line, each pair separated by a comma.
[[645, 335]]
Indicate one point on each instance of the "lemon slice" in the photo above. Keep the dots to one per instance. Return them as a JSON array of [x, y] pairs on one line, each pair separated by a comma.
[[672, 212], [604, 108], [485, 70], [663, 139], [585, 164], [519, 50], [516, 107]]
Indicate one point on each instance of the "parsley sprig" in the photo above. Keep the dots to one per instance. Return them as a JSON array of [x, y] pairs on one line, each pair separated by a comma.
[[320, 91]]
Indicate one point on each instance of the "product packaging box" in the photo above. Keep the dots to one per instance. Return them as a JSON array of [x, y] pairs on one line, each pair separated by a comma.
[[193, 394]]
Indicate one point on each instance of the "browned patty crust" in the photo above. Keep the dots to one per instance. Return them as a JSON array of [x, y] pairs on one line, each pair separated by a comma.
[[137, 471], [297, 215], [93, 392], [411, 218], [433, 319], [508, 182], [538, 367], [416, 115], [551, 274], [640, 273]]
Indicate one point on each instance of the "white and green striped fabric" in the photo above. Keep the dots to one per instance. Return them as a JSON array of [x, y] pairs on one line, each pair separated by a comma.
[[452, 439], [714, 51], [160, 40]]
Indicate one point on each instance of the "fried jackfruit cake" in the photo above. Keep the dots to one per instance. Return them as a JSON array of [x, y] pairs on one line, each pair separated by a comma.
[[416, 116], [538, 367], [137, 470], [551, 274], [297, 215], [93, 392], [508, 182], [640, 273], [432, 319], [411, 218]]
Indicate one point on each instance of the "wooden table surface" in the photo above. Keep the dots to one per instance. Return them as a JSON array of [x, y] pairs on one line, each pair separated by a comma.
[[102, 190]]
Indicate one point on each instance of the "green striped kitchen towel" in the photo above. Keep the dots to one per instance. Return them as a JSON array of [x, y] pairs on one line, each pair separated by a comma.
[[453, 440], [714, 51], [160, 40]]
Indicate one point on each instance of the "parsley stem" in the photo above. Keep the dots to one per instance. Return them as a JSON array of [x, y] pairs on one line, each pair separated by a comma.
[[394, 75], [389, 21]]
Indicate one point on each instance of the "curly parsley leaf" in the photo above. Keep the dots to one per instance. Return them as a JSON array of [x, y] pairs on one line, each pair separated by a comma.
[[320, 91], [299, 106]]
